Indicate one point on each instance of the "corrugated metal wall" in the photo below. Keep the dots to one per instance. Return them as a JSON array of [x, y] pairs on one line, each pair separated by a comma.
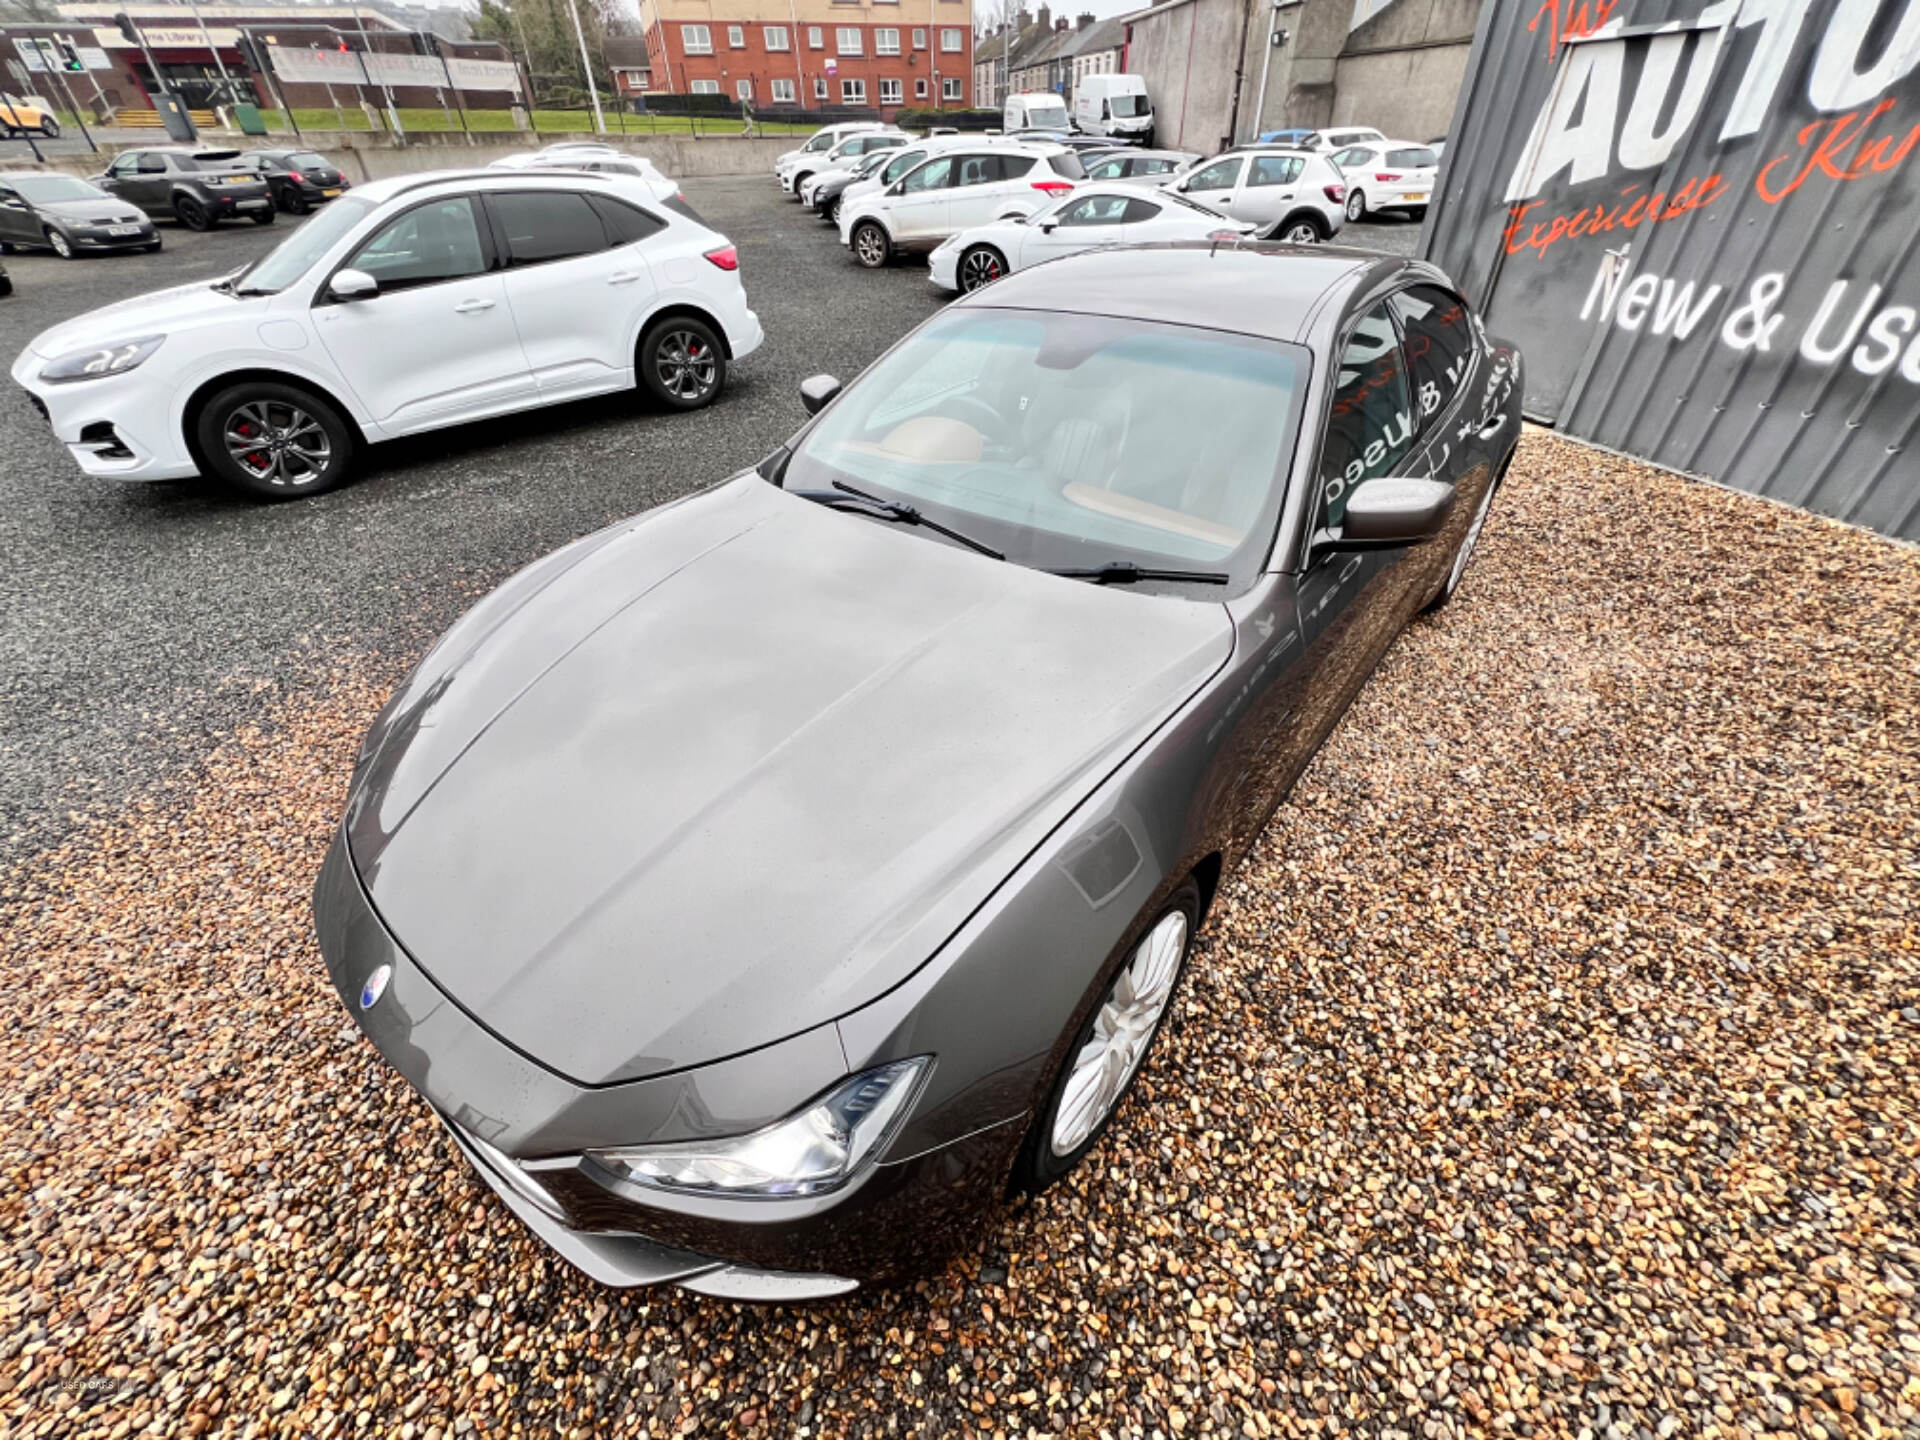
[[1699, 221]]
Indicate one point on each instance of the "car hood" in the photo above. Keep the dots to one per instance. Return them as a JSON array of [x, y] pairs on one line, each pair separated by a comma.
[[104, 208], [160, 313], [739, 767]]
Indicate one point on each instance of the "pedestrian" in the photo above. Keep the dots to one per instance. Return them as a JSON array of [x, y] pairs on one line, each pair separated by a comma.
[[746, 117]]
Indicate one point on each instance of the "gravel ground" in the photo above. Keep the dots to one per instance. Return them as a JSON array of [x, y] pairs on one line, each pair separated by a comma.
[[1548, 1071]]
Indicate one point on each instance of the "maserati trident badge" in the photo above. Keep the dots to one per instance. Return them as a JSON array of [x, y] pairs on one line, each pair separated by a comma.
[[375, 987]]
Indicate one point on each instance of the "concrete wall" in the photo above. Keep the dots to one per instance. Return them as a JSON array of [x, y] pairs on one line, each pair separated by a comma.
[[1187, 52], [1407, 93], [1400, 71]]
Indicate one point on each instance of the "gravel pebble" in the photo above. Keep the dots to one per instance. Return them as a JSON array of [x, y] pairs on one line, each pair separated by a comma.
[[1549, 1071]]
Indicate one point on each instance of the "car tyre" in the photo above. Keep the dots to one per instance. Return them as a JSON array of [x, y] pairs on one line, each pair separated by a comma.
[[980, 266], [871, 247], [1457, 572], [1298, 230], [192, 214], [833, 212], [1356, 206], [262, 217], [294, 201], [682, 363], [306, 445], [1111, 1046], [798, 181], [59, 244], [50, 128]]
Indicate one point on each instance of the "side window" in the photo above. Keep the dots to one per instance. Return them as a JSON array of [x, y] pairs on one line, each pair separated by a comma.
[[978, 170], [1274, 170], [1220, 175], [1096, 210], [1370, 426], [1152, 167], [432, 242], [124, 165], [1439, 345], [1141, 210], [547, 225], [152, 165], [1107, 170], [626, 223], [930, 176], [899, 166]]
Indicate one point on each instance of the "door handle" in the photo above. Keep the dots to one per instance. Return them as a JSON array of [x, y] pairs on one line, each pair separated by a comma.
[[623, 277], [472, 307]]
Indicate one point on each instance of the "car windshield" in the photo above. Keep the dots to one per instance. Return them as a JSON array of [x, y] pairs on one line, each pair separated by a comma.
[[1125, 105], [307, 160], [51, 189], [1071, 440], [1417, 158], [296, 255]]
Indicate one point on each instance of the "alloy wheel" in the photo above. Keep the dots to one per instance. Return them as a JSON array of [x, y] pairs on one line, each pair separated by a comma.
[[870, 245], [1122, 1031], [684, 362], [61, 246], [1356, 207], [977, 268], [278, 443], [191, 213], [1303, 233]]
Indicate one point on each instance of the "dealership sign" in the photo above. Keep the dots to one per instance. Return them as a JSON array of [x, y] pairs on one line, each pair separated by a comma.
[[353, 67], [1698, 228]]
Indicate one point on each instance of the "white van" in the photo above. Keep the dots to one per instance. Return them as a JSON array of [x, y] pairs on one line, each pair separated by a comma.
[[1035, 110], [1114, 105]]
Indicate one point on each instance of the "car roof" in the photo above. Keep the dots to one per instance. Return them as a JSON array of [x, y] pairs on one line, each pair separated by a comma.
[[1249, 289], [380, 191]]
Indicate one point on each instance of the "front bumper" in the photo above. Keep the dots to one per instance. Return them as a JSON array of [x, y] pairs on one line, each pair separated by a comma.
[[102, 241], [943, 267], [139, 442], [524, 1130]]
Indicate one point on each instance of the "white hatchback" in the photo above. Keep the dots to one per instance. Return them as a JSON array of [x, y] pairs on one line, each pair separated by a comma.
[[956, 189], [1285, 193], [406, 305], [818, 143], [1093, 217], [1388, 175], [843, 156]]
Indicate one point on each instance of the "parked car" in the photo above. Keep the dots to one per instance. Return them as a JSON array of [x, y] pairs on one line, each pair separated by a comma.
[[843, 156], [1113, 104], [900, 161], [1291, 195], [1328, 141], [410, 304], [823, 191], [1035, 110], [602, 159], [69, 216], [199, 188], [1092, 217], [821, 141], [1388, 176], [954, 190], [20, 115], [1300, 139], [298, 180], [1081, 144], [1147, 167], [981, 688]]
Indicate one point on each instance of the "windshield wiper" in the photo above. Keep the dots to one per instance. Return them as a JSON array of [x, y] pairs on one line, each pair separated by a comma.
[[1125, 572], [844, 494]]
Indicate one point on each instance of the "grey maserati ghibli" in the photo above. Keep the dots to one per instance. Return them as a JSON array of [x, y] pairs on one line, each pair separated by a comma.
[[759, 888]]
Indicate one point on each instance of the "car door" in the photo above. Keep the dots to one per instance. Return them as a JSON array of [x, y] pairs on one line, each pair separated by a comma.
[[126, 179], [1268, 192], [976, 193], [437, 343], [575, 290], [919, 211], [1086, 222], [1214, 185]]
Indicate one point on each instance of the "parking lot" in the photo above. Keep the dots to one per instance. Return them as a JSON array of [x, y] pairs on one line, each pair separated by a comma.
[[1548, 1071]]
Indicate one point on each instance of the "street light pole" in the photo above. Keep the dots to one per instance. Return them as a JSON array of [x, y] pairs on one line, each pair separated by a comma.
[[599, 121]]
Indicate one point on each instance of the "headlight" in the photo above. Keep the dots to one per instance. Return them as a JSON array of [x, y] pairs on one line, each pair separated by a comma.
[[808, 1154], [115, 359]]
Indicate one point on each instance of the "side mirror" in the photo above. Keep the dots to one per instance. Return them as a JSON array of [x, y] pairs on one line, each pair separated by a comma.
[[1388, 514], [352, 285], [816, 391]]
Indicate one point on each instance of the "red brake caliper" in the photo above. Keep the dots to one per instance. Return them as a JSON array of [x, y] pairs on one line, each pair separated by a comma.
[[256, 458]]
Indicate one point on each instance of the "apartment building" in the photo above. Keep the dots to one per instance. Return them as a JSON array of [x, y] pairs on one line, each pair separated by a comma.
[[882, 54]]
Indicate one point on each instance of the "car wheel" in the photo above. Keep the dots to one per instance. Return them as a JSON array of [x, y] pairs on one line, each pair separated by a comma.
[[870, 245], [1113, 1041], [981, 265], [1464, 555], [59, 244], [833, 211], [683, 363], [1356, 207], [262, 217], [294, 201], [274, 441], [192, 214], [798, 181], [1300, 230], [50, 128]]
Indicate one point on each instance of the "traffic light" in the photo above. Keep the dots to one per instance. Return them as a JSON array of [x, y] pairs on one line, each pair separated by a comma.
[[69, 55], [253, 52], [124, 24]]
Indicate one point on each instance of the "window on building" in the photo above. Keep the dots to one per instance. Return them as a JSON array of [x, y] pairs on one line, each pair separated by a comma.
[[920, 39], [819, 88], [696, 40], [886, 41], [853, 92], [775, 36], [737, 36], [847, 39], [950, 41], [706, 87], [949, 89], [743, 89], [891, 92], [920, 88], [814, 42], [783, 92]]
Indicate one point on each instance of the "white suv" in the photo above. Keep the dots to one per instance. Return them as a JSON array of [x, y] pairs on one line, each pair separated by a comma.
[[1287, 194], [961, 186], [821, 141], [843, 156], [406, 305]]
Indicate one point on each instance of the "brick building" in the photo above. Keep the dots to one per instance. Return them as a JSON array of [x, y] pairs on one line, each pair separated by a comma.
[[805, 54]]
